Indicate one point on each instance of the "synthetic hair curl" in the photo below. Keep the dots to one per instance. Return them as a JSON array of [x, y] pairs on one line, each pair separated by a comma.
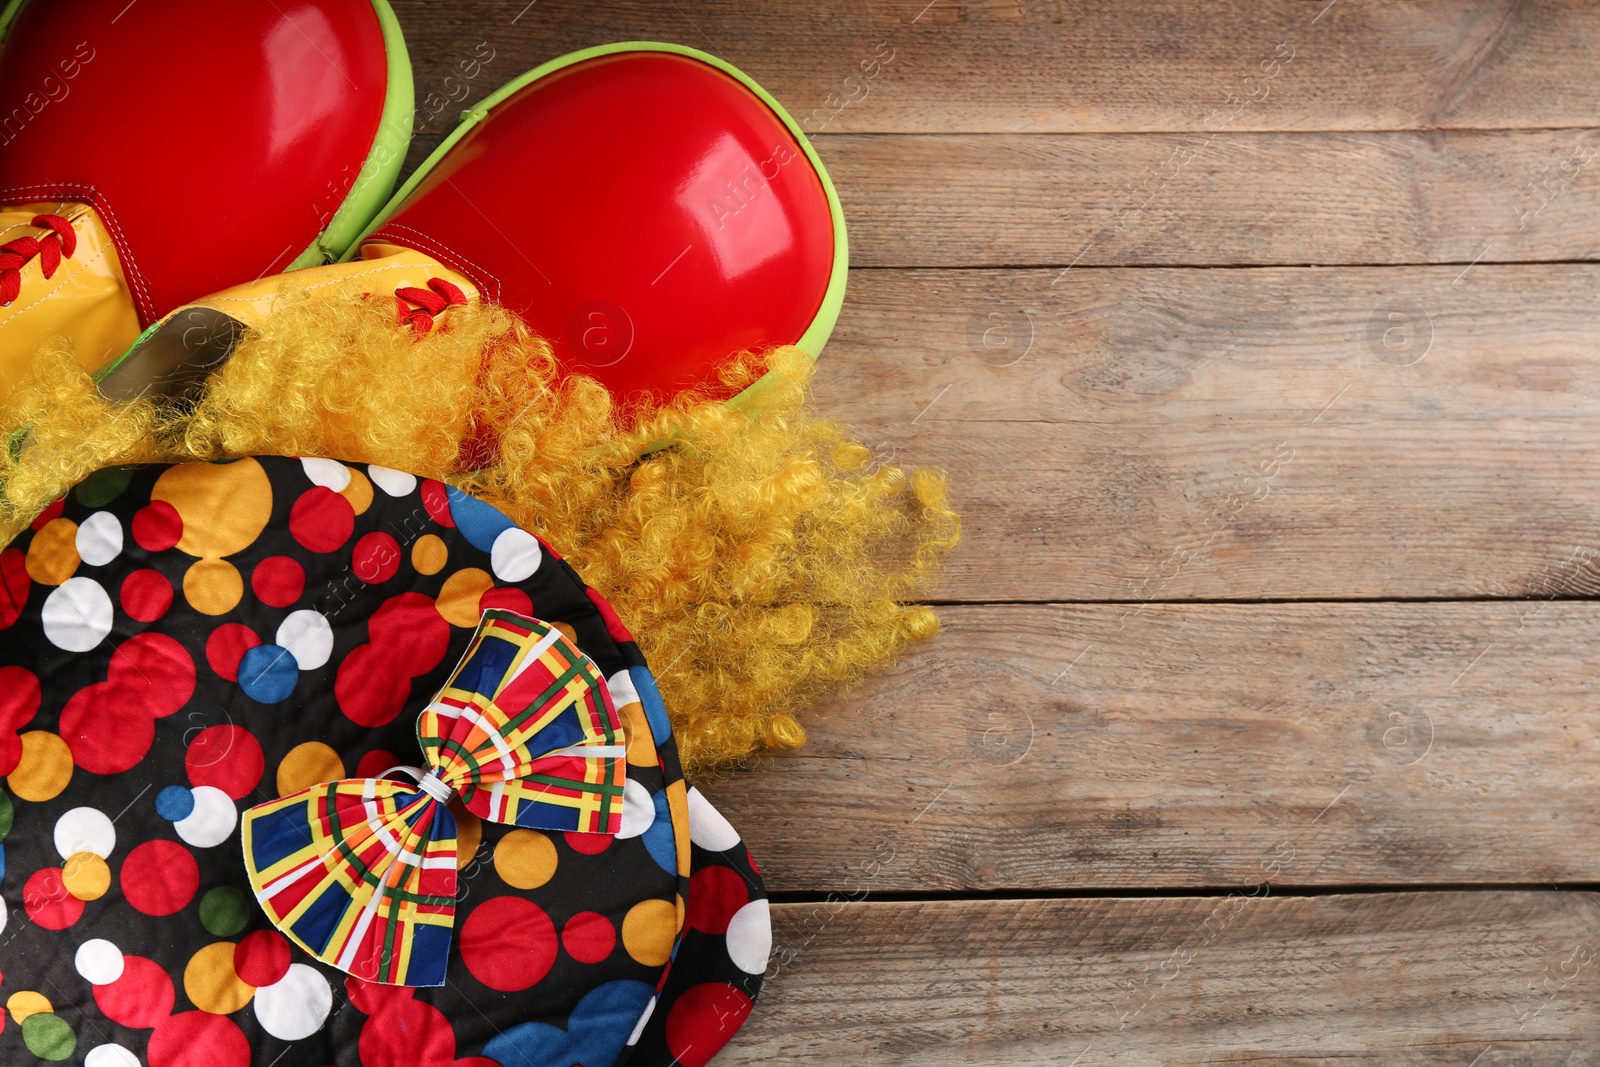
[[762, 563]]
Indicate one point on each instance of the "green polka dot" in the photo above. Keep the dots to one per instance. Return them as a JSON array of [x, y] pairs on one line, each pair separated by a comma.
[[48, 1036], [103, 486], [5, 815], [224, 911]]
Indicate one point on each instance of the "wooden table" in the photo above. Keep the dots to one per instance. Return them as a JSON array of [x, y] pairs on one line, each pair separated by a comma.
[[1259, 338]]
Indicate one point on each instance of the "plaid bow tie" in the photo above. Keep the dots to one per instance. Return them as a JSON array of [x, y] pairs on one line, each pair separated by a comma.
[[361, 873]]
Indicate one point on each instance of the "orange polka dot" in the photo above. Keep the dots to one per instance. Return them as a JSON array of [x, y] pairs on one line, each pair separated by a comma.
[[213, 587], [566, 631], [26, 1002], [224, 506], [86, 876], [358, 492], [213, 984], [678, 805], [641, 746], [311, 763], [649, 931], [458, 600], [53, 556], [44, 769], [429, 554], [525, 859]]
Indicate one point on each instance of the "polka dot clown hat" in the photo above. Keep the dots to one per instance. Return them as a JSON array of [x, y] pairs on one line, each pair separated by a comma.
[[314, 763]]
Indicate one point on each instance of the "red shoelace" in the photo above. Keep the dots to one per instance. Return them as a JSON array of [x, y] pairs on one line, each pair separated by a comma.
[[428, 302], [14, 255]]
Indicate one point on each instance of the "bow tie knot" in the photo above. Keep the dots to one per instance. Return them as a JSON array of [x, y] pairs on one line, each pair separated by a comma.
[[432, 785]]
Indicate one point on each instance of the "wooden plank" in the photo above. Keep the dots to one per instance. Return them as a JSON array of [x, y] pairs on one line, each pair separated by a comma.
[[1072, 66], [1105, 747], [1445, 977], [1235, 199], [1265, 433], [1257, 199]]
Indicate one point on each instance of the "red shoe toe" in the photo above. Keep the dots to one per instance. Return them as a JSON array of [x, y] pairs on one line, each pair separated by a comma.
[[645, 207], [216, 141]]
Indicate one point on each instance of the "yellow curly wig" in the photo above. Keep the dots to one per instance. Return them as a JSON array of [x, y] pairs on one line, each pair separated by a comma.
[[758, 558]]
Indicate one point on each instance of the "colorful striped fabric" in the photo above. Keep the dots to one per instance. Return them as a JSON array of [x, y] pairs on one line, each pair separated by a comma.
[[361, 873]]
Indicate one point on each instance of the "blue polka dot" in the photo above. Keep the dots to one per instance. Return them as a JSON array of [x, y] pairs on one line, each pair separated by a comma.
[[174, 803], [2, 862], [655, 712], [659, 840], [597, 1030], [478, 522], [268, 674]]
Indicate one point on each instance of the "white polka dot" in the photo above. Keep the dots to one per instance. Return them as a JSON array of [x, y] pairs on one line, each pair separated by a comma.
[[3, 914], [638, 810], [85, 830], [622, 689], [750, 937], [393, 482], [327, 472], [77, 616], [212, 820], [110, 1056], [100, 539], [638, 1028], [99, 961], [515, 556], [707, 827], [308, 637], [296, 1005]]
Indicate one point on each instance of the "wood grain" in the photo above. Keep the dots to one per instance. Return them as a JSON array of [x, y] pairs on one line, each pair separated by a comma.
[[1232, 199], [1073, 66], [1104, 747], [1239, 434], [1448, 976], [1250, 199]]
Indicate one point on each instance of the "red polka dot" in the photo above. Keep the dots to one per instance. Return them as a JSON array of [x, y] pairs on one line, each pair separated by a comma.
[[506, 598], [47, 902], [226, 647], [142, 997], [370, 998], [198, 1039], [157, 526], [152, 673], [374, 763], [409, 638], [146, 595], [715, 893], [14, 586], [262, 957], [49, 515], [614, 625], [20, 696], [109, 726], [589, 937], [437, 501], [702, 1021], [588, 844], [278, 581], [160, 877], [227, 757], [403, 1032], [321, 520], [376, 558], [508, 943]]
